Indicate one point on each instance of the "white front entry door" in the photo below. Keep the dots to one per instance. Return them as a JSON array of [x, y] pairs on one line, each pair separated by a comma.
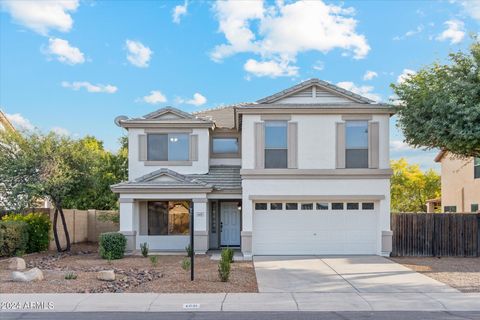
[[229, 224]]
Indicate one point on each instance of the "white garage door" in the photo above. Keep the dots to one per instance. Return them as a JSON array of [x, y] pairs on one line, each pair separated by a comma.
[[307, 228]]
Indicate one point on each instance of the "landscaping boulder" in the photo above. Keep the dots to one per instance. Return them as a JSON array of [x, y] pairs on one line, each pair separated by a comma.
[[17, 264], [106, 275], [34, 274]]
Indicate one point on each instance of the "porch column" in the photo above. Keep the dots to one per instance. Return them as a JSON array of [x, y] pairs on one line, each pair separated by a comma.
[[200, 234], [247, 227], [127, 223]]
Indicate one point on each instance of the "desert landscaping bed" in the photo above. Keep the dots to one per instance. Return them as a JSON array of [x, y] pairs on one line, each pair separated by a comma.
[[460, 273], [133, 274]]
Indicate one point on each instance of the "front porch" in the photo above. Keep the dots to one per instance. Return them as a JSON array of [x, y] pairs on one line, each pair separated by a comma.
[[154, 209]]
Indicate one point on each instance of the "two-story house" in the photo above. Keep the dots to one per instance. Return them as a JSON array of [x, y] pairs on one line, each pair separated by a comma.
[[460, 183], [304, 171]]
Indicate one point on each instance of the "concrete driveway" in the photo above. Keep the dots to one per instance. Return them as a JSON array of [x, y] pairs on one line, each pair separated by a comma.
[[353, 274]]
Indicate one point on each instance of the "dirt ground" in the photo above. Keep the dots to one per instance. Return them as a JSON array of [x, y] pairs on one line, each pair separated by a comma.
[[134, 274], [460, 273]]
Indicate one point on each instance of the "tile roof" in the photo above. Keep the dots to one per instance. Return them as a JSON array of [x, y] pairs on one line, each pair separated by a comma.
[[218, 178], [221, 177]]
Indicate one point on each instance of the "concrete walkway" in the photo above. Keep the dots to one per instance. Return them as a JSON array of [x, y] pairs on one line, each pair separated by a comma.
[[356, 274], [313, 301]]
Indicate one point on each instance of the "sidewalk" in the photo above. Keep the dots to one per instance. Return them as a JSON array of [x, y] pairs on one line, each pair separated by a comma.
[[148, 302]]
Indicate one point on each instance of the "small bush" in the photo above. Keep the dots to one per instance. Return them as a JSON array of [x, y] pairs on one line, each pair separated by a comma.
[[224, 266], [186, 264], [154, 260], [189, 251], [14, 239], [109, 257], [39, 226], [144, 249], [228, 254], [70, 276], [113, 244]]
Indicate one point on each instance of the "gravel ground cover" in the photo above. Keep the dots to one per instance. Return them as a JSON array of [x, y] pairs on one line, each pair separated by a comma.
[[460, 273], [133, 274]]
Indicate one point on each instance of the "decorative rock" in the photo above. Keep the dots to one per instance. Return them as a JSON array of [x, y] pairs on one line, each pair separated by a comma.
[[16, 264], [34, 274], [106, 275]]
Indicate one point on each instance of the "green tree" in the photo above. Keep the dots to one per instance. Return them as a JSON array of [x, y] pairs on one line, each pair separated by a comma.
[[107, 168], [38, 166], [410, 187], [440, 105]]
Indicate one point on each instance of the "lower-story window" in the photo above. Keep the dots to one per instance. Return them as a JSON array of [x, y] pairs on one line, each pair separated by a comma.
[[450, 208], [168, 218], [474, 207]]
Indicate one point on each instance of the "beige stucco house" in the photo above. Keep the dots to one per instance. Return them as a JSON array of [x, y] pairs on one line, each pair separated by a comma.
[[303, 171], [460, 183]]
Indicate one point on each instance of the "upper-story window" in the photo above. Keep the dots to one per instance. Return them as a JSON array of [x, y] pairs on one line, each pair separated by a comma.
[[167, 147], [356, 153], [225, 145], [476, 168], [276, 153]]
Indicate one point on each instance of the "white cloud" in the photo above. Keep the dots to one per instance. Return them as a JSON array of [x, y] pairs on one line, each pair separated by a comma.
[[138, 54], [155, 97], [364, 91], [61, 131], [270, 68], [41, 16], [410, 33], [179, 11], [455, 31], [19, 122], [285, 30], [369, 75], [472, 8], [319, 65], [197, 100], [98, 88], [64, 52], [406, 73], [399, 145]]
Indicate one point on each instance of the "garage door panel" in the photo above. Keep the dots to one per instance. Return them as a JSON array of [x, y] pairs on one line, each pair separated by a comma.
[[322, 232]]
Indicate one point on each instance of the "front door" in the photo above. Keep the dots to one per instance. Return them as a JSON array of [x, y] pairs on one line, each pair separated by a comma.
[[229, 224]]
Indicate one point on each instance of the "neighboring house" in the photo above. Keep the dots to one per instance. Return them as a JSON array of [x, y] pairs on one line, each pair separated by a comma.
[[460, 183], [304, 171]]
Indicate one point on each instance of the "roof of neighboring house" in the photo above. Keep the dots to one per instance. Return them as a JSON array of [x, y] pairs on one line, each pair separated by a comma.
[[440, 155], [323, 84], [221, 178], [5, 122]]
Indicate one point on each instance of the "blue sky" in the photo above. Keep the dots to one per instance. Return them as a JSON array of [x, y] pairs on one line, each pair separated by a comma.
[[73, 66]]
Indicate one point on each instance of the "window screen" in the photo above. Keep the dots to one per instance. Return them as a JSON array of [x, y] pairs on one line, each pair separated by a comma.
[[275, 144], [356, 152]]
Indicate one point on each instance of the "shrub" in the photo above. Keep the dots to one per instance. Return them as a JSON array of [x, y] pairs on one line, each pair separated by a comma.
[[14, 238], [144, 249], [70, 276], [112, 244], [224, 266], [186, 264], [189, 251], [228, 254], [154, 260], [39, 226]]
